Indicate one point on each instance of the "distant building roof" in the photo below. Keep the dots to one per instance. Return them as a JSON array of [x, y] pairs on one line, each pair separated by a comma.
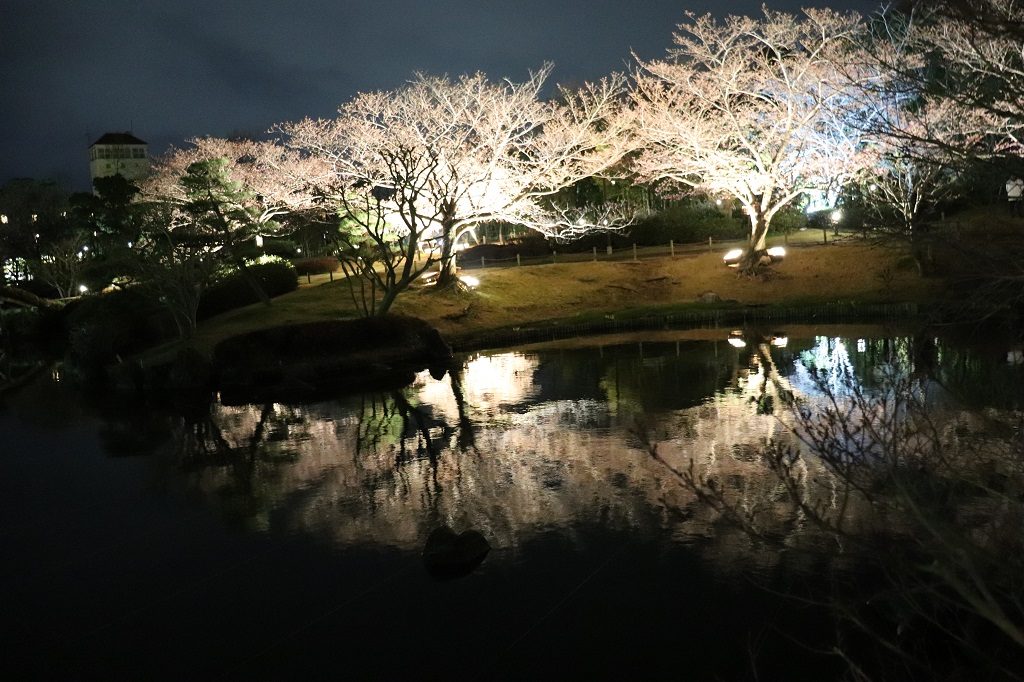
[[118, 138]]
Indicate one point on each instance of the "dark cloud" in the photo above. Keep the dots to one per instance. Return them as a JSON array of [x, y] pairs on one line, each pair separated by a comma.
[[71, 71]]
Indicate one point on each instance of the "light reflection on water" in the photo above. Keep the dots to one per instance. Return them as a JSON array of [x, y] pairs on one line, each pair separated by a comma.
[[232, 531], [519, 442]]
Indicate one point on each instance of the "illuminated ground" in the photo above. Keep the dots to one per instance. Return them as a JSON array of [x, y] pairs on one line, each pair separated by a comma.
[[850, 271]]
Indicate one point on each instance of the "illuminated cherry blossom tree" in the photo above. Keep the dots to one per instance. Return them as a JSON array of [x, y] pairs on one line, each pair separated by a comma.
[[975, 53], [748, 108], [969, 55], [915, 146], [921, 129], [964, 59], [442, 156]]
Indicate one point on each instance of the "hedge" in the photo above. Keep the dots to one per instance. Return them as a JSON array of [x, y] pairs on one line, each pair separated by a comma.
[[315, 266], [234, 291]]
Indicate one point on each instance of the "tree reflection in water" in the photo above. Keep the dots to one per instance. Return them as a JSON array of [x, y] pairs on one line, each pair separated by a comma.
[[536, 449], [917, 496], [517, 443]]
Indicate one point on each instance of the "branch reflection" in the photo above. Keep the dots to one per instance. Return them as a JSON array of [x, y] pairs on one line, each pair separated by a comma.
[[517, 444]]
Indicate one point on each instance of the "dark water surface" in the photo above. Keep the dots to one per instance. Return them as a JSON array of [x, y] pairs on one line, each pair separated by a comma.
[[285, 540]]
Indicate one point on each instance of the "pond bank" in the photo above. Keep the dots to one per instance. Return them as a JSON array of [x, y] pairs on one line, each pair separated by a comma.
[[711, 316], [301, 362]]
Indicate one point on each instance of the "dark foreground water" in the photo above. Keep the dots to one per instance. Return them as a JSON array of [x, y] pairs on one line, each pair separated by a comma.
[[276, 541]]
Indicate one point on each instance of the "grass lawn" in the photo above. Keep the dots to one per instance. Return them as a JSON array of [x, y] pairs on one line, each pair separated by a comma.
[[842, 271]]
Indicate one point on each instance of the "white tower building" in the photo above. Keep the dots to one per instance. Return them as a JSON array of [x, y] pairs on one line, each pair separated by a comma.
[[118, 153]]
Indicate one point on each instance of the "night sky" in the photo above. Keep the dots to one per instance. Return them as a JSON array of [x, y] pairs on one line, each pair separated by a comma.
[[73, 69]]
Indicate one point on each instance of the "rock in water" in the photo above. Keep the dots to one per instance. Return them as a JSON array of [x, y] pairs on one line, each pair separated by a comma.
[[709, 297], [447, 555]]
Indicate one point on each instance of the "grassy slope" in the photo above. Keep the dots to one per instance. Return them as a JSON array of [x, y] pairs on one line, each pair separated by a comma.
[[513, 295]]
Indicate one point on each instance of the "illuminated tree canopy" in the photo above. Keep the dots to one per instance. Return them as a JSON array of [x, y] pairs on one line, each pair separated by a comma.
[[748, 108], [935, 101], [975, 53], [760, 110], [446, 155], [269, 180]]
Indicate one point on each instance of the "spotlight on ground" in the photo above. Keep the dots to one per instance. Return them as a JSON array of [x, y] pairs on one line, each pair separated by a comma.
[[732, 258]]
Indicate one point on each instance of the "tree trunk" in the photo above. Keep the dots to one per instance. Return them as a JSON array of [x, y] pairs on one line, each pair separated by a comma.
[[385, 303], [185, 322], [25, 298], [446, 274], [758, 242], [758, 232]]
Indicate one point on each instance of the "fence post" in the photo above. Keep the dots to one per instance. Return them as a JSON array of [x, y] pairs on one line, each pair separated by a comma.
[[634, 251], [595, 254], [518, 260], [672, 247], [483, 262]]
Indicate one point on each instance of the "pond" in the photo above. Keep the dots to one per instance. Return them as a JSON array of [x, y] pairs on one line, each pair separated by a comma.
[[272, 540]]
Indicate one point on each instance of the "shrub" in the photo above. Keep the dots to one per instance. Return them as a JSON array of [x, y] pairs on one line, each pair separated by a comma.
[[686, 223], [690, 222], [788, 220], [328, 339], [39, 288], [339, 354], [20, 328], [282, 248], [534, 246], [232, 290], [279, 248], [315, 266], [100, 328]]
